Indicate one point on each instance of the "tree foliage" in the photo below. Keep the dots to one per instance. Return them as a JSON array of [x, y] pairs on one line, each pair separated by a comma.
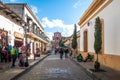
[[97, 35], [98, 41], [61, 44], [74, 40]]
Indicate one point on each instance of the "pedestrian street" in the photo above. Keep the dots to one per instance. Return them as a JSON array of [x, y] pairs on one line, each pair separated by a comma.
[[53, 68]]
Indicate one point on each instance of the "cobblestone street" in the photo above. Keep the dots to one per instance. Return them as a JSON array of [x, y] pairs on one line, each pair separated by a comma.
[[52, 68]]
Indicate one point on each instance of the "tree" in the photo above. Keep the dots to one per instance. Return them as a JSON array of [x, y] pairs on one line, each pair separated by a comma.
[[61, 43], [74, 40], [98, 41]]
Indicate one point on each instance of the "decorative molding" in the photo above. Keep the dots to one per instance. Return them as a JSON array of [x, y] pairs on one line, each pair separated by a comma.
[[93, 10]]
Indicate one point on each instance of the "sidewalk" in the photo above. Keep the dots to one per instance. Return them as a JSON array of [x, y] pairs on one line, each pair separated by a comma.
[[8, 73], [108, 74]]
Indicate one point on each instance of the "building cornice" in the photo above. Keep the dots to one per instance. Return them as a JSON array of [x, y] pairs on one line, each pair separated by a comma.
[[94, 8], [9, 12], [33, 15]]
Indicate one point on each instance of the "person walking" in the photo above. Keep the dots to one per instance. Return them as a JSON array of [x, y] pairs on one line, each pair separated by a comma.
[[14, 53], [4, 53], [66, 52], [61, 53], [22, 56], [9, 55], [55, 50], [21, 60]]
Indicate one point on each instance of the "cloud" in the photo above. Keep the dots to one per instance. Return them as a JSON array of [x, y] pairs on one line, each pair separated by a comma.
[[53, 23], [65, 29], [49, 34], [34, 9], [80, 3]]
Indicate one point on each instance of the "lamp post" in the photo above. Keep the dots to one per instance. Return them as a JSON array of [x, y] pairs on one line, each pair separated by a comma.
[[25, 29], [26, 43]]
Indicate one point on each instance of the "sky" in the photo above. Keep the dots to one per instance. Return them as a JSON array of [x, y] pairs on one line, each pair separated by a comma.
[[57, 15]]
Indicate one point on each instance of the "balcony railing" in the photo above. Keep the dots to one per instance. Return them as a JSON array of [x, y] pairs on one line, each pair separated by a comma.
[[38, 34]]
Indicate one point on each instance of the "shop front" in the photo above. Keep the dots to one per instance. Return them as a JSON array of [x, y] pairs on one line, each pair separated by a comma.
[[3, 37], [3, 43], [18, 41]]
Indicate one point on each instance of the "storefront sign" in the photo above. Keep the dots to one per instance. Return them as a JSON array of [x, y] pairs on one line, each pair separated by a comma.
[[18, 35]]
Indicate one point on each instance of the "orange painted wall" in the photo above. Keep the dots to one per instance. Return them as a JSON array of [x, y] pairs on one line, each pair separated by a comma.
[[112, 61]]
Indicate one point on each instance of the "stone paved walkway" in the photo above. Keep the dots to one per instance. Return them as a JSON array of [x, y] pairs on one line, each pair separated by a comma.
[[53, 68], [9, 73], [109, 73]]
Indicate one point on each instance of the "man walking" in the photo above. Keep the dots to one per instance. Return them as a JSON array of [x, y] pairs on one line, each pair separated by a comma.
[[61, 53], [14, 53]]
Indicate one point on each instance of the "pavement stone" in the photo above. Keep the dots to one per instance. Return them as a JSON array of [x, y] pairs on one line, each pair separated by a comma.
[[107, 74], [8, 73], [53, 68]]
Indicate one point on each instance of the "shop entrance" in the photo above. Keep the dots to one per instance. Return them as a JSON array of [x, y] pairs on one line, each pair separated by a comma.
[[18, 42]]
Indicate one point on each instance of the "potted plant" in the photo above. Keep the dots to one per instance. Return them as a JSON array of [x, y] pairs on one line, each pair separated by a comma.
[[97, 42]]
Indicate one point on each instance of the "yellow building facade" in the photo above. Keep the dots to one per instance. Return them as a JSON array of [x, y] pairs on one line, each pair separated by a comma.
[[108, 11]]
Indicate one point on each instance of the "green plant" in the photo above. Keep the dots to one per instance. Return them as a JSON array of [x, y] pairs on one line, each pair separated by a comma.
[[61, 44], [97, 66], [98, 41], [74, 40], [79, 57]]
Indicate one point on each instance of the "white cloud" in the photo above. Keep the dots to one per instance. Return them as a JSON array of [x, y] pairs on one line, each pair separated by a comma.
[[53, 23], [80, 3], [65, 29], [13, 0], [50, 34], [34, 9]]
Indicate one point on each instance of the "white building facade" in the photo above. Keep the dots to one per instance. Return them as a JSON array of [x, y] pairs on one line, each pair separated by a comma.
[[34, 30], [11, 29], [109, 13]]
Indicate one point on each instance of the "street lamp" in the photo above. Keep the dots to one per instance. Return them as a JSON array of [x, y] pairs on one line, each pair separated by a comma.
[[26, 50], [26, 43]]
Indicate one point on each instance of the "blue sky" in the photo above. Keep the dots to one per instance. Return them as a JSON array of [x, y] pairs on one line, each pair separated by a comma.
[[56, 15]]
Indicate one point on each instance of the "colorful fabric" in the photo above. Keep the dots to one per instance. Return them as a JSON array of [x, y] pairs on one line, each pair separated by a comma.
[[16, 51], [13, 51], [9, 47]]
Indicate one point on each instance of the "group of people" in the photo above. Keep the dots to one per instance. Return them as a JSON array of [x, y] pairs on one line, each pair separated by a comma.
[[9, 53], [62, 51], [89, 57], [4, 54], [20, 54]]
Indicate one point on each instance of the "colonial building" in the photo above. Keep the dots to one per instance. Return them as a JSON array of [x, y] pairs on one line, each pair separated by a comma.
[[11, 31], [109, 14], [56, 39], [34, 30]]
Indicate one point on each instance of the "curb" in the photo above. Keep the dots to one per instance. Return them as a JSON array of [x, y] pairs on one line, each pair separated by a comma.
[[28, 69], [87, 71]]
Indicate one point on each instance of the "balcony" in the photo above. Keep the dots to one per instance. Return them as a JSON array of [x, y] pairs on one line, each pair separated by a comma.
[[36, 33]]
